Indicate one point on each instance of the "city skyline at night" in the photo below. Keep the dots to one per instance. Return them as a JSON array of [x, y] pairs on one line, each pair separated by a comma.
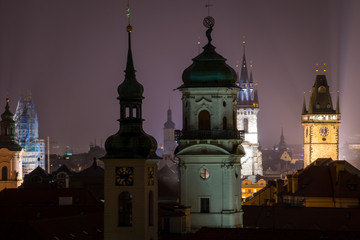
[[71, 56]]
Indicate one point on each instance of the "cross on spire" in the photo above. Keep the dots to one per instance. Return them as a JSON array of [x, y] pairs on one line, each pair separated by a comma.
[[208, 5]]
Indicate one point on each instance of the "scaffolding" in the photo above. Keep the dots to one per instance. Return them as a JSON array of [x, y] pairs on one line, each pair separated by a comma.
[[27, 133]]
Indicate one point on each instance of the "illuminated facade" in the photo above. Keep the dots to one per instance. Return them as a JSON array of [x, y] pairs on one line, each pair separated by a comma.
[[27, 133], [130, 180], [247, 110], [210, 148], [321, 124], [10, 152]]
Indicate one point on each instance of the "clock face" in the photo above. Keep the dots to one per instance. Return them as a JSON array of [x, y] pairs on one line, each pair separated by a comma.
[[324, 131], [124, 176], [151, 176]]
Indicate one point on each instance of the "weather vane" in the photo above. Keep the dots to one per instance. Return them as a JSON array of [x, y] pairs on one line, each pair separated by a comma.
[[129, 27], [209, 23]]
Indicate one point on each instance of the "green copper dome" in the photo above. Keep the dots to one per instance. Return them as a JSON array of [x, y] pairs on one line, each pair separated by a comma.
[[209, 70]]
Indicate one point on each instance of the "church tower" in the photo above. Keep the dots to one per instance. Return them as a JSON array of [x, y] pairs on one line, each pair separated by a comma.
[[169, 142], [10, 152], [247, 110], [210, 148], [130, 184], [321, 124]]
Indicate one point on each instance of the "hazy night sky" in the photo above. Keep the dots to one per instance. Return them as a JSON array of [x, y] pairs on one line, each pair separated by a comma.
[[71, 56]]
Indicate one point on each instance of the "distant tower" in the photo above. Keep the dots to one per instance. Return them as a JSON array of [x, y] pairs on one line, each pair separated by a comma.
[[169, 142], [210, 148], [247, 110], [130, 183], [321, 124], [10, 152], [27, 132]]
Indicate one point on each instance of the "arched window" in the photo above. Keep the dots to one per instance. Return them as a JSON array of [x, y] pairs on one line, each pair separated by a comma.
[[125, 209], [4, 174], [224, 123], [204, 120], [246, 125], [151, 208]]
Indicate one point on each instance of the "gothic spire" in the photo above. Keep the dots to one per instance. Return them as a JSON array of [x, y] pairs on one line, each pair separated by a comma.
[[304, 107]]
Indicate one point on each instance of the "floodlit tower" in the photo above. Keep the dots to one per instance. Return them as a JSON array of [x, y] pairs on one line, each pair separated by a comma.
[[321, 124], [10, 152], [27, 133], [247, 111], [130, 182], [210, 148]]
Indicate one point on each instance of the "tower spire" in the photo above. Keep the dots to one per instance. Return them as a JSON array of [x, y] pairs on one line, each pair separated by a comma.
[[338, 104], [304, 106]]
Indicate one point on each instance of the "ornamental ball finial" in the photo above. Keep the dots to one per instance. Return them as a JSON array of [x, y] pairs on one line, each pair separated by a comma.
[[129, 28]]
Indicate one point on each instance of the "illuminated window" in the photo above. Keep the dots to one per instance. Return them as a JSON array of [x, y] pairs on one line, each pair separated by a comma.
[[322, 89], [244, 190], [204, 205], [204, 120], [4, 174], [204, 173], [151, 208], [125, 209]]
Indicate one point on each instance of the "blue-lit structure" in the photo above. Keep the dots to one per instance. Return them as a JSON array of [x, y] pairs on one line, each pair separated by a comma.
[[27, 133]]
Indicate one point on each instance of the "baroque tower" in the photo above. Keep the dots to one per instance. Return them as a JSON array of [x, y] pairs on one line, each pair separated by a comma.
[[210, 148], [10, 152], [247, 110], [130, 181], [321, 124]]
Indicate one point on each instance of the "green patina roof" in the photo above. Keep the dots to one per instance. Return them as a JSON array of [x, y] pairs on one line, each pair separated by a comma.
[[209, 69]]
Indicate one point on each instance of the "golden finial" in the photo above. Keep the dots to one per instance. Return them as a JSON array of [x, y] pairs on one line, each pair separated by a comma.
[[251, 63], [316, 67], [324, 67]]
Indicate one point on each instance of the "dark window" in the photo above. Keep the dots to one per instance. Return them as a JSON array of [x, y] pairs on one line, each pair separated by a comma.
[[204, 205], [151, 208], [125, 209], [246, 125], [204, 120], [4, 174], [234, 121], [185, 123], [224, 123]]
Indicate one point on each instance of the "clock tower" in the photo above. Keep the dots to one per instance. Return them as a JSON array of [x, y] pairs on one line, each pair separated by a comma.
[[130, 184], [321, 124]]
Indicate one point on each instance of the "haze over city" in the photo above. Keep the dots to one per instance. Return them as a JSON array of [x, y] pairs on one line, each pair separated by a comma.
[[71, 56]]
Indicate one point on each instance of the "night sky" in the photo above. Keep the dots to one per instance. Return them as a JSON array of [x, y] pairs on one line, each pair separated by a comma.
[[71, 55]]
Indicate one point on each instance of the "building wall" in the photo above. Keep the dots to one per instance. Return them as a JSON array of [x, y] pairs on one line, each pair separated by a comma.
[[12, 161], [140, 200]]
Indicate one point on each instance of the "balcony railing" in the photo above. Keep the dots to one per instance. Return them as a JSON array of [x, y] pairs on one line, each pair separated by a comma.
[[209, 134]]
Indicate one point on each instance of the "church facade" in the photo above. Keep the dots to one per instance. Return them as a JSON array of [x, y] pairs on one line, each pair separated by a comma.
[[321, 123], [10, 152]]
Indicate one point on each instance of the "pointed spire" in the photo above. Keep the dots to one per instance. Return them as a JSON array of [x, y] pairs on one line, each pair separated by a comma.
[[130, 70], [256, 98], [244, 77], [337, 104], [304, 106]]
